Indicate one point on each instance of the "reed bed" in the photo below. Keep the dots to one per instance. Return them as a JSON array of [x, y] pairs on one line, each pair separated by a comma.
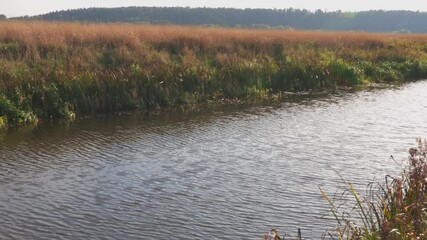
[[63, 70]]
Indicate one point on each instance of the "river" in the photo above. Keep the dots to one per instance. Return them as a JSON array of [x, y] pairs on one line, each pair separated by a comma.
[[227, 173]]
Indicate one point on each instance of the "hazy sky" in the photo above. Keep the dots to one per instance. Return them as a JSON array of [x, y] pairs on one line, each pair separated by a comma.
[[13, 8]]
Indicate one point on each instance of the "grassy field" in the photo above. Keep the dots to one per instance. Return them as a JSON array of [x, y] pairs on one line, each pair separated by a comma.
[[63, 70]]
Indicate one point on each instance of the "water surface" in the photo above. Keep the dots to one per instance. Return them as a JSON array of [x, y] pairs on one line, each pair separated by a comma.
[[230, 173]]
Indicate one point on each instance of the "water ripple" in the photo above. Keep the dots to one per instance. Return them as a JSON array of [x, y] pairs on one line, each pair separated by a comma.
[[227, 174]]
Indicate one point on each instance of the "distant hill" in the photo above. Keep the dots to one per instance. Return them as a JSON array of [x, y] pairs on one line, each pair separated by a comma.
[[370, 21]]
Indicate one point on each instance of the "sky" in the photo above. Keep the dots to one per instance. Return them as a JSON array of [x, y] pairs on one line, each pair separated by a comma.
[[13, 8]]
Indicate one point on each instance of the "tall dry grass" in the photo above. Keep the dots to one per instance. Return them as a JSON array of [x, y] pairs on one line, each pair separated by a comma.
[[62, 69], [133, 35]]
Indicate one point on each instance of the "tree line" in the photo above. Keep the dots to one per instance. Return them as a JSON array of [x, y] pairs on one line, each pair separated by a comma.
[[370, 21]]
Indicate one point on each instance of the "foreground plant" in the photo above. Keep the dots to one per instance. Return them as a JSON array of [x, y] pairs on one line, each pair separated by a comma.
[[274, 235], [394, 210]]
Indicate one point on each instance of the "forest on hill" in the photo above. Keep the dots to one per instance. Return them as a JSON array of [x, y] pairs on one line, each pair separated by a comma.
[[369, 21]]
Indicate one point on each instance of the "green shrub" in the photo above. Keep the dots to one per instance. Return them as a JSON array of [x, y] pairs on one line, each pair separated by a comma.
[[13, 114], [344, 74], [3, 121]]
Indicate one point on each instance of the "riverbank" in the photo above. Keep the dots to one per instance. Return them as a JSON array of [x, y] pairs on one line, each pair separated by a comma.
[[64, 70]]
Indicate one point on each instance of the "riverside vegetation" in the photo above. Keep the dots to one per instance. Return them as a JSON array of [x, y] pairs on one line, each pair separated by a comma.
[[393, 210], [396, 209], [64, 70]]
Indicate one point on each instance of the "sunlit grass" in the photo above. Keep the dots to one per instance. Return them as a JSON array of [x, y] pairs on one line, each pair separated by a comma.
[[63, 70]]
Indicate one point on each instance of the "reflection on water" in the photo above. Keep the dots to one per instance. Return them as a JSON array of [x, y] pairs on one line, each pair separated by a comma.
[[227, 173]]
